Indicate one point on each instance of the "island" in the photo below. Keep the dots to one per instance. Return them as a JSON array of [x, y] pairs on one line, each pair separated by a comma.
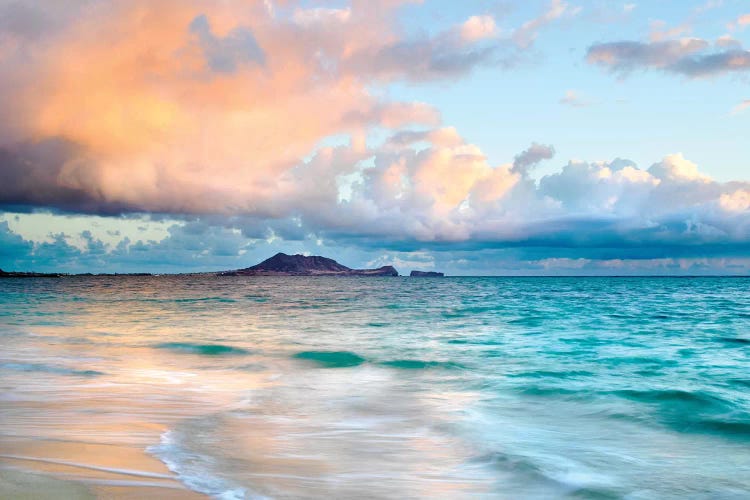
[[426, 274], [33, 274], [14, 274], [282, 264]]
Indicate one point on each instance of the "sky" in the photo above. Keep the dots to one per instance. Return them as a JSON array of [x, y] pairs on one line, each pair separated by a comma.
[[535, 137]]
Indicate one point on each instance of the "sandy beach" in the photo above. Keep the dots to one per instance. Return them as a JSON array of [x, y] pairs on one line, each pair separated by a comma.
[[75, 470]]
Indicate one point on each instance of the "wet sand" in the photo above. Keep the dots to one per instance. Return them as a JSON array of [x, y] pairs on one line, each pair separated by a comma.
[[73, 470]]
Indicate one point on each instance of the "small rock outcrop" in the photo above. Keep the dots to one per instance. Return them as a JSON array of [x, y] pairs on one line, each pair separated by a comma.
[[426, 274], [282, 264]]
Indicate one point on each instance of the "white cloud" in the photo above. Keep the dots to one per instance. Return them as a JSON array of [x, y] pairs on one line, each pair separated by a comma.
[[478, 28], [739, 201], [676, 168]]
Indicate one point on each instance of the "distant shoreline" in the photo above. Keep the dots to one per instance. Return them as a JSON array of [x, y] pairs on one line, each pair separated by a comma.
[[220, 274], [33, 274], [283, 265]]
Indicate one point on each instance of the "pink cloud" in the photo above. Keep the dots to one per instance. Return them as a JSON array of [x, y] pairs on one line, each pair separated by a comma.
[[184, 106]]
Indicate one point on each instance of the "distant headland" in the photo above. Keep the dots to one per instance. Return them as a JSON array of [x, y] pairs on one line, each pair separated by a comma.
[[282, 264]]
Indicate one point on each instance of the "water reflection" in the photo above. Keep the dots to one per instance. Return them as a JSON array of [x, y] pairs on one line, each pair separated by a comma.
[[288, 387]]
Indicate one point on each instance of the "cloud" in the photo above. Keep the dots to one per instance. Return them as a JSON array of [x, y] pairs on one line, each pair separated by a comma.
[[478, 28], [321, 16], [708, 5], [444, 137], [608, 188], [183, 107], [37, 174], [430, 190], [187, 247], [675, 168], [574, 99], [526, 34], [23, 21], [741, 107], [187, 108], [627, 55], [659, 31], [224, 54], [13, 248], [714, 64], [610, 12], [211, 245], [422, 194], [740, 23], [396, 115], [266, 126], [442, 56], [686, 56], [738, 201], [728, 42], [531, 157]]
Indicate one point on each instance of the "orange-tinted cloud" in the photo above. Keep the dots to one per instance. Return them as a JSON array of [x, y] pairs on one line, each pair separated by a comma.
[[230, 108], [195, 106]]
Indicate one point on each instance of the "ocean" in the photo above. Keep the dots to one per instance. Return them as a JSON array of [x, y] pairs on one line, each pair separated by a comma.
[[320, 387]]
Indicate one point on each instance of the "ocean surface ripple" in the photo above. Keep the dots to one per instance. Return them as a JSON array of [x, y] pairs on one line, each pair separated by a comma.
[[279, 387]]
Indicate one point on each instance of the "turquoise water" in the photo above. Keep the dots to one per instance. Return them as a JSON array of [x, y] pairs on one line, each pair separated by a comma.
[[393, 387]]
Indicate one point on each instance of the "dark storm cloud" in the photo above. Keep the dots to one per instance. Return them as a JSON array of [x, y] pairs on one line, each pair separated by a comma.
[[32, 174]]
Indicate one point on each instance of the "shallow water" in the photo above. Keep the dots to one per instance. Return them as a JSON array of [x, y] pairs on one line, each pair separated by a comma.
[[392, 387]]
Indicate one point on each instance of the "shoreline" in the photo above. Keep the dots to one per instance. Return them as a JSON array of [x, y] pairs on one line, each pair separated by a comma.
[[47, 469]]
